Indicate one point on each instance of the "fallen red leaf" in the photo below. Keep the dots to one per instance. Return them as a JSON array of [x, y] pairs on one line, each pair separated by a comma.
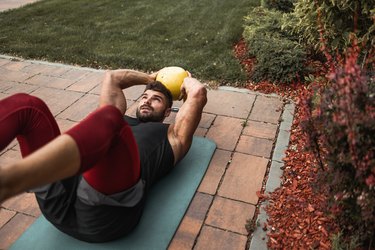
[[294, 209], [294, 184], [310, 208]]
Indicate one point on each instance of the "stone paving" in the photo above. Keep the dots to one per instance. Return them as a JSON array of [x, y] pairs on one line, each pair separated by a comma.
[[11, 4], [251, 131], [244, 125]]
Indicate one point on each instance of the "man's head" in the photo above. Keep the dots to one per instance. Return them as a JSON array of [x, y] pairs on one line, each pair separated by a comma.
[[155, 104]]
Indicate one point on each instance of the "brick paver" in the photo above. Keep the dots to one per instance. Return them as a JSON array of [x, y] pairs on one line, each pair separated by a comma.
[[243, 124], [4, 61], [213, 238], [260, 129], [9, 155], [225, 132], [206, 120], [80, 109], [17, 65], [134, 93], [266, 109], [14, 75], [24, 203], [49, 81], [215, 172], [254, 146], [57, 99], [229, 103], [12, 230], [5, 85], [230, 215], [11, 4], [36, 69], [75, 74], [200, 132], [87, 83], [192, 222], [244, 178], [5, 216], [2, 95], [64, 124], [20, 88]]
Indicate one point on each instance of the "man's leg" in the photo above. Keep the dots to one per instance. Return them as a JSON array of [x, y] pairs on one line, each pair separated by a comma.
[[29, 119], [119, 169], [109, 154], [101, 147], [55, 161], [78, 151]]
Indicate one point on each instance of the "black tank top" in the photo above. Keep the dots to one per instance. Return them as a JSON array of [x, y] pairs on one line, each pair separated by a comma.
[[155, 151]]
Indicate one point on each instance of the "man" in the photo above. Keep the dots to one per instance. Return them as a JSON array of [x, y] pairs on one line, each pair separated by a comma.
[[96, 176]]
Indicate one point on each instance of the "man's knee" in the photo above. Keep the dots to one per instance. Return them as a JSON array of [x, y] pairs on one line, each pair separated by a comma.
[[94, 135], [23, 99], [109, 115]]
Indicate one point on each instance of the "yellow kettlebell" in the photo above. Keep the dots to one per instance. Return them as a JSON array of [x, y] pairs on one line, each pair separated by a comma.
[[172, 78]]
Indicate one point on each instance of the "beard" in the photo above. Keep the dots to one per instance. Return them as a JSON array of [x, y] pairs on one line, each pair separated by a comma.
[[151, 116]]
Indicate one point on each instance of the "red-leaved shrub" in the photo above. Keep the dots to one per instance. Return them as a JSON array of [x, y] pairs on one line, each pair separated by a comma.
[[341, 129]]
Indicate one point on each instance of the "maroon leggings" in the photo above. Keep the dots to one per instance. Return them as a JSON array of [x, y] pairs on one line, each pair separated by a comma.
[[109, 154]]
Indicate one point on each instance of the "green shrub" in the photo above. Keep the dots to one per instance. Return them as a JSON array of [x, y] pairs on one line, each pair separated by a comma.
[[270, 22], [280, 5], [279, 56], [338, 243], [335, 21], [279, 60]]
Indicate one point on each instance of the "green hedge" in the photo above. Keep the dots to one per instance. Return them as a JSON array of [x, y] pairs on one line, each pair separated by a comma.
[[280, 5], [337, 21], [280, 58]]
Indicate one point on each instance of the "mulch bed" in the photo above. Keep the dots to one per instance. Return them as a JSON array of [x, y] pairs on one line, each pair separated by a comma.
[[296, 212]]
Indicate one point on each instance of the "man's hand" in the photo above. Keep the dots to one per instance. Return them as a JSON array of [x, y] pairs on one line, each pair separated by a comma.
[[183, 91], [187, 119], [190, 86], [153, 75]]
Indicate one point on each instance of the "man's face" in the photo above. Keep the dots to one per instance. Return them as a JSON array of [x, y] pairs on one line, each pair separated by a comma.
[[152, 107]]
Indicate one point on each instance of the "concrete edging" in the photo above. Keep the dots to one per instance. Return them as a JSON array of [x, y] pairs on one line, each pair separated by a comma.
[[68, 66], [259, 238]]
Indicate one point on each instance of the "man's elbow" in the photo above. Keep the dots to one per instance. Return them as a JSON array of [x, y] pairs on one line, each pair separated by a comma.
[[109, 77], [110, 74]]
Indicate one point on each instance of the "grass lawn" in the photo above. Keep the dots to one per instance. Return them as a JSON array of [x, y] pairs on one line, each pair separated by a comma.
[[138, 34]]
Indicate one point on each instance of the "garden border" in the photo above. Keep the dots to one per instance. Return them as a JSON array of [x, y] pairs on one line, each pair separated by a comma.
[[259, 237]]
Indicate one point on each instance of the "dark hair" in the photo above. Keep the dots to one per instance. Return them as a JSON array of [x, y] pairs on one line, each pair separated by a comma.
[[159, 87]]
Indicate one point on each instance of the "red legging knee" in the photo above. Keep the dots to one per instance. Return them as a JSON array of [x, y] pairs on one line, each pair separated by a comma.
[[109, 155]]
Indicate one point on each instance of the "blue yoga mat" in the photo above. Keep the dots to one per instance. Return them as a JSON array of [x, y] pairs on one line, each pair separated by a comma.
[[165, 207]]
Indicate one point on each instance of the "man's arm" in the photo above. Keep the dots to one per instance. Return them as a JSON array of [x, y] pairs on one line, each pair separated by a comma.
[[180, 134], [116, 80]]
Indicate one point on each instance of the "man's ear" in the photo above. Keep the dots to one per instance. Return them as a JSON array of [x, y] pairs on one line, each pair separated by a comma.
[[167, 112]]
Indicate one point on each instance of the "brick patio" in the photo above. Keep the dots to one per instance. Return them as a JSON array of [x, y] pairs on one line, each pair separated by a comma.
[[11, 4], [243, 124]]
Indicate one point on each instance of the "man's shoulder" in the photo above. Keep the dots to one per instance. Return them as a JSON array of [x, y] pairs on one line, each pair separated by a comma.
[[131, 120]]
